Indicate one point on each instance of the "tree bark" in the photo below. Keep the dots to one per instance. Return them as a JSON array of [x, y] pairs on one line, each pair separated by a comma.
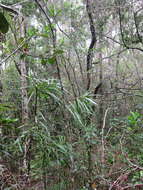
[[100, 82], [24, 101], [23, 77], [92, 43]]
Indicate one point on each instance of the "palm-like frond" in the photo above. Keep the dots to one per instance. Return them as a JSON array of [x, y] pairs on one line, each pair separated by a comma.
[[81, 107], [50, 88]]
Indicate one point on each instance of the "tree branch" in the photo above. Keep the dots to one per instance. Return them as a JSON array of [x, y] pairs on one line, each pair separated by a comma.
[[122, 33], [92, 43], [10, 9]]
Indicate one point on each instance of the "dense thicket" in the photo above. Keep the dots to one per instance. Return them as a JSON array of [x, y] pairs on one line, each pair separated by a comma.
[[71, 98]]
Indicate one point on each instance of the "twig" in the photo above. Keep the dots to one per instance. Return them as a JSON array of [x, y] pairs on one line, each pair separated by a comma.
[[10, 9], [122, 33], [129, 161], [103, 144], [120, 179], [19, 47]]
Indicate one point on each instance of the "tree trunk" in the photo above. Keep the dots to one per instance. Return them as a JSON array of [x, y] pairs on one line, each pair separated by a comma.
[[92, 44], [24, 101], [100, 82], [24, 83]]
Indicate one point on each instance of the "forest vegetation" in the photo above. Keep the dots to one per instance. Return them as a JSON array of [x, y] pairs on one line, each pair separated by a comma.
[[71, 94]]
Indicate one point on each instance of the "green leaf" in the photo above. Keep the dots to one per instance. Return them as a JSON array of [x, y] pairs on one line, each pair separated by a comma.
[[58, 51], [32, 31], [5, 107], [44, 35], [22, 56], [19, 144], [4, 25], [8, 120], [51, 60], [43, 61], [47, 28]]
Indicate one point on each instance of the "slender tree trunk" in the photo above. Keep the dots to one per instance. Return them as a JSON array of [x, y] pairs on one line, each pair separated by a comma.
[[24, 82], [24, 94], [1, 92], [100, 82], [92, 44], [24, 99], [1, 88], [116, 87]]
